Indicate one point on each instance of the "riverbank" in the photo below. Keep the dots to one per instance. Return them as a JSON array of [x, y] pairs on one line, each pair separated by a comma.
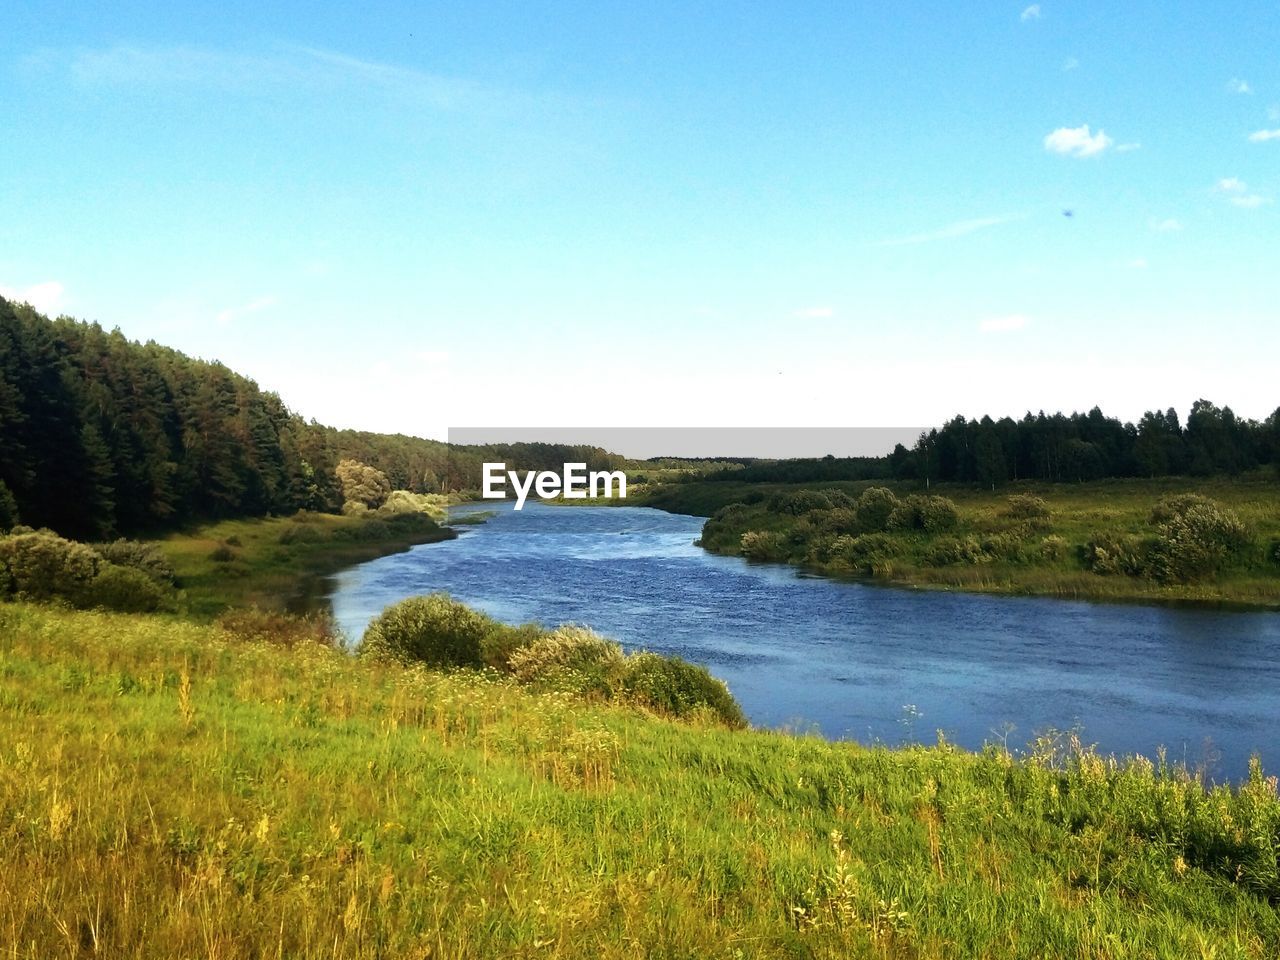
[[332, 806], [1081, 542], [270, 563]]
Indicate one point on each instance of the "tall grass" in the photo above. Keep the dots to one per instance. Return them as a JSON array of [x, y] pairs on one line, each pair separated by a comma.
[[170, 789]]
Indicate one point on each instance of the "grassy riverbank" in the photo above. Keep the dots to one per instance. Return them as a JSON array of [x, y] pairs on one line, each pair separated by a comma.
[[991, 548], [169, 789], [268, 562]]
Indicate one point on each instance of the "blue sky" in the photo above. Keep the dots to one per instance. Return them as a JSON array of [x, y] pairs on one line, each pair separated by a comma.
[[416, 216]]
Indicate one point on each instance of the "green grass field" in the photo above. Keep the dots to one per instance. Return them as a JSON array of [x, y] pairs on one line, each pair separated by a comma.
[[1078, 511], [168, 789]]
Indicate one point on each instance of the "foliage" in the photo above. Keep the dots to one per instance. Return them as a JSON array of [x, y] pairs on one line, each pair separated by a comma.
[[8, 508], [764, 545], [930, 514], [1196, 536], [875, 508], [144, 557], [1026, 506], [566, 649], [677, 688], [362, 484], [253, 625], [435, 630], [125, 589], [41, 565], [871, 554]]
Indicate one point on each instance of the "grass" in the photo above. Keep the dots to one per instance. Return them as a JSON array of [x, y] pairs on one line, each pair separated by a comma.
[[1078, 512], [271, 563], [167, 790]]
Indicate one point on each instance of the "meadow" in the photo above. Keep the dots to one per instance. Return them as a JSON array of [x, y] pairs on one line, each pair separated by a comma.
[[172, 789], [990, 549]]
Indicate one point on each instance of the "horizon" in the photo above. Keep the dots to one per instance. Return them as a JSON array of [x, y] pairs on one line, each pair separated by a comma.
[[836, 218]]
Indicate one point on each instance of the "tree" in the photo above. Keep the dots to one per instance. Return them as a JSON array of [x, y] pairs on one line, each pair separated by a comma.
[[363, 484]]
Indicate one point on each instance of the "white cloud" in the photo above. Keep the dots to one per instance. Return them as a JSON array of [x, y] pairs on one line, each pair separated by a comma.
[[1239, 86], [1168, 225], [814, 313], [1070, 64], [45, 297], [960, 229], [1231, 185], [1262, 136], [1031, 13], [1250, 201], [1128, 147], [1008, 324], [231, 314], [1077, 141]]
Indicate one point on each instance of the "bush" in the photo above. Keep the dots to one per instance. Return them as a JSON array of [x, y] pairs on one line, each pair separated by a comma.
[[765, 546], [124, 590], [875, 507], [40, 565], [673, 686], [1053, 548], [222, 554], [841, 520], [1114, 553], [282, 629], [947, 551], [870, 554], [800, 502], [1025, 506], [930, 514], [566, 649], [436, 630], [145, 557], [1197, 538], [300, 532]]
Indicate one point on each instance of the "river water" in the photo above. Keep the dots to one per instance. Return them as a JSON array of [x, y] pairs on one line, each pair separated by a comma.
[[861, 661]]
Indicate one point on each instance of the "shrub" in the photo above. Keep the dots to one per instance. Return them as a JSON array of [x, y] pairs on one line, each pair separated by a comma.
[[283, 629], [764, 545], [502, 641], [1106, 552], [1196, 539], [875, 507], [146, 557], [673, 686], [566, 649], [1053, 548], [946, 551], [300, 532], [930, 514], [800, 502], [222, 554], [837, 521], [40, 565], [870, 554], [1025, 506], [123, 589], [436, 630]]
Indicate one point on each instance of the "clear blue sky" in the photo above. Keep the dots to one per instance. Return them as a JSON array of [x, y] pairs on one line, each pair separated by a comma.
[[422, 215]]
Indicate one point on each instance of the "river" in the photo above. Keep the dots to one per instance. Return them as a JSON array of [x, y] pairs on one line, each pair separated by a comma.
[[861, 661]]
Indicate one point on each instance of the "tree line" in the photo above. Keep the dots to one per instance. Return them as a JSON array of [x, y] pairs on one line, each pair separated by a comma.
[[102, 436], [1092, 446]]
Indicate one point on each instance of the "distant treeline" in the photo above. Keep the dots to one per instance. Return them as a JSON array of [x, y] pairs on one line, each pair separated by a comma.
[[1057, 447], [100, 435], [1091, 446]]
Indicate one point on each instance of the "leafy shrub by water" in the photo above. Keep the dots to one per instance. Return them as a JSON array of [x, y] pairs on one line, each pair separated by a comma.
[[40, 565], [875, 507], [930, 514], [765, 545], [566, 649], [676, 687], [145, 557], [123, 589], [435, 630]]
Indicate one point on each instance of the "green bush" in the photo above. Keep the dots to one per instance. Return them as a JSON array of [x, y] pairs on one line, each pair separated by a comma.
[[145, 557], [1111, 553], [870, 554], [875, 507], [222, 554], [435, 630], [124, 590], [1053, 548], [300, 532], [40, 565], [567, 649], [1026, 506], [841, 520], [800, 502], [1195, 540], [765, 545], [949, 551], [678, 688], [930, 514]]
